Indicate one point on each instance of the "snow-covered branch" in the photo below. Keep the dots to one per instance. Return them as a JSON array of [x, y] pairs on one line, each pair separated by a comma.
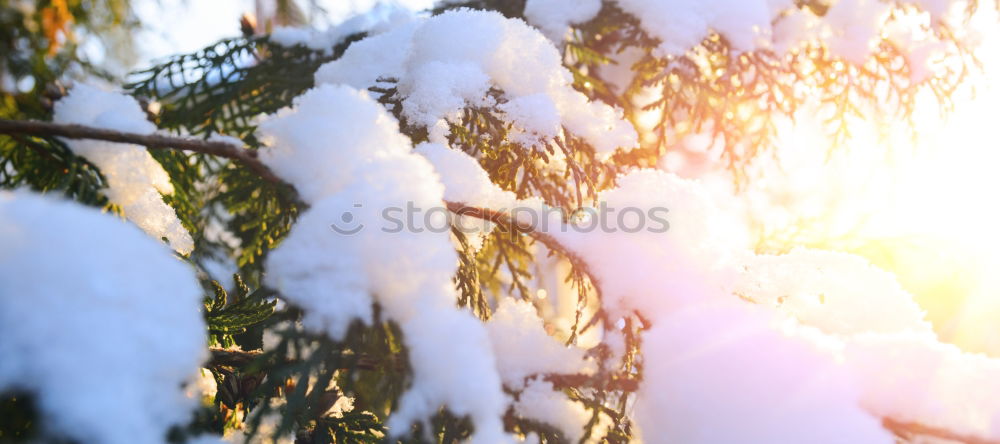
[[152, 141], [508, 222], [239, 358], [250, 159], [503, 219]]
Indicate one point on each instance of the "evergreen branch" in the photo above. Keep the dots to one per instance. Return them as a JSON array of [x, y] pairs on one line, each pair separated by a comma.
[[224, 357], [152, 141], [504, 219], [250, 159], [238, 358]]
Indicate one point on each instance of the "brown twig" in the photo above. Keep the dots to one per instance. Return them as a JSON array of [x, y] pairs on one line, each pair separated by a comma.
[[232, 358], [151, 141], [911, 429], [560, 381]]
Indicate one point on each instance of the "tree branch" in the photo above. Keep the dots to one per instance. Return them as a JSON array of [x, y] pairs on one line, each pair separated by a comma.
[[505, 220], [913, 429], [907, 430], [239, 358], [249, 158], [151, 141]]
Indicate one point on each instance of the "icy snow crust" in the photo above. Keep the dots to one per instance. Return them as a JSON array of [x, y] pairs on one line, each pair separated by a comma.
[[97, 320]]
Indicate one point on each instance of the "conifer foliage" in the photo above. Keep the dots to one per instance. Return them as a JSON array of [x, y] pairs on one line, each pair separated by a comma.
[[497, 327]]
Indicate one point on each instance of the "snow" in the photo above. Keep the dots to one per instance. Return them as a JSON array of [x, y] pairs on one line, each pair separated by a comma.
[[682, 24], [938, 9], [838, 293], [850, 29], [464, 180], [234, 141], [441, 89], [453, 366], [681, 254], [288, 37], [534, 117], [380, 18], [808, 346], [719, 374], [554, 17], [525, 352], [795, 29], [911, 35], [540, 401], [833, 345], [320, 149], [524, 349], [98, 321], [910, 379], [344, 153], [372, 58], [472, 185], [135, 180], [445, 62], [855, 25]]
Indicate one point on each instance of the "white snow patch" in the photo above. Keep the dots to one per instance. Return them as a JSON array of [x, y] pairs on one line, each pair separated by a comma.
[[444, 62], [99, 322], [344, 153], [135, 179]]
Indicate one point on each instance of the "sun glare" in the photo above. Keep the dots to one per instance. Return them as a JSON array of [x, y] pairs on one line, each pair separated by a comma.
[[921, 205]]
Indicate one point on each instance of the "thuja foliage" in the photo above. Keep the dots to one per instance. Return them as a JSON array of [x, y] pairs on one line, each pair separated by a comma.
[[40, 45], [276, 379]]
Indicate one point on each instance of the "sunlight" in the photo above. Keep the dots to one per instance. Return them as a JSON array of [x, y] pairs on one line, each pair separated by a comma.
[[923, 208]]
